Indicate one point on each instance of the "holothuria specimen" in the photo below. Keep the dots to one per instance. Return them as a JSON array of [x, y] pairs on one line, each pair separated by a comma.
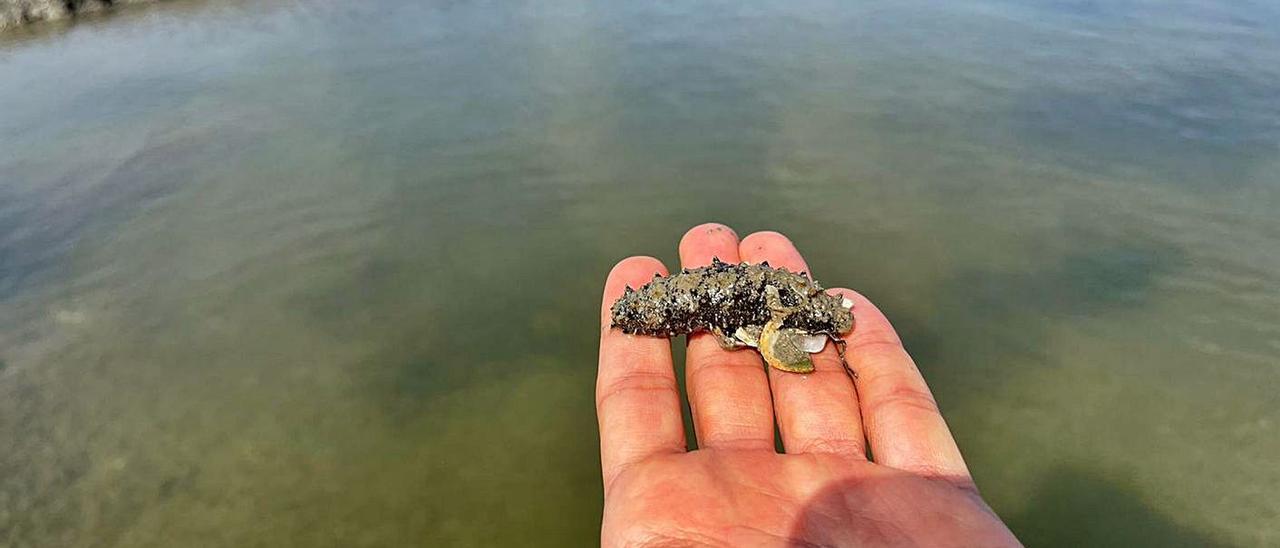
[[785, 315]]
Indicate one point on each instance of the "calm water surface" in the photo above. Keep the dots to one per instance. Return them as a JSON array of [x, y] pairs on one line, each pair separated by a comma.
[[315, 274]]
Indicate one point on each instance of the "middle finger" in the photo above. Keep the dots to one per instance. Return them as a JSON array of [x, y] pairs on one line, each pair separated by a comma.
[[728, 390]]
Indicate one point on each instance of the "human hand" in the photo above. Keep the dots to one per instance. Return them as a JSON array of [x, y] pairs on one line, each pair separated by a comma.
[[735, 489]]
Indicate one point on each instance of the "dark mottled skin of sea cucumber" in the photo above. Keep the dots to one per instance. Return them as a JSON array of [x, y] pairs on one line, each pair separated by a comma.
[[726, 296]]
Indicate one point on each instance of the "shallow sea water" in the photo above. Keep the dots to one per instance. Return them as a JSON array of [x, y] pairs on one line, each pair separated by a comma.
[[313, 274]]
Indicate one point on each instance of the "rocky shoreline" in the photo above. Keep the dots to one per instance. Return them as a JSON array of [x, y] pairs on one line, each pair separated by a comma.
[[15, 13]]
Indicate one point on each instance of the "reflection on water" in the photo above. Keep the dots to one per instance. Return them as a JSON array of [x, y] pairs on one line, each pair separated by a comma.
[[327, 275]]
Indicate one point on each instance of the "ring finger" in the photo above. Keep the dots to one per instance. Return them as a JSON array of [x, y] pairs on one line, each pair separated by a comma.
[[817, 412]]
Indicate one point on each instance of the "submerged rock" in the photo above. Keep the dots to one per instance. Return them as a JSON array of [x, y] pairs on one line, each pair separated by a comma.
[[14, 13]]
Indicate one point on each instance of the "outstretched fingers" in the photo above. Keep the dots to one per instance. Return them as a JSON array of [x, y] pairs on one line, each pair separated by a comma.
[[728, 390], [637, 399], [904, 426]]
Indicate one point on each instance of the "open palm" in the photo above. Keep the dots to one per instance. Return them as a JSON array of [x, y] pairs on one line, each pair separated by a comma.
[[736, 489]]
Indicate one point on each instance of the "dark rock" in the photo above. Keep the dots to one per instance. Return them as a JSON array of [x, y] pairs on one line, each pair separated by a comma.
[[14, 13]]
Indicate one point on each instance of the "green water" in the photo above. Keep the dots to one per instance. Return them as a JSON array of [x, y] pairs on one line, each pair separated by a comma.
[[310, 274]]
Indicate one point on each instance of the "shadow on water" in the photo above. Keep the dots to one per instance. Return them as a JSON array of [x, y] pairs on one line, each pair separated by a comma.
[[43, 234], [987, 317], [1076, 284], [439, 330], [987, 326], [1079, 507]]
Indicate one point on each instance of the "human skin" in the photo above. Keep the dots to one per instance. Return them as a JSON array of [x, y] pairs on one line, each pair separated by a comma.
[[736, 489]]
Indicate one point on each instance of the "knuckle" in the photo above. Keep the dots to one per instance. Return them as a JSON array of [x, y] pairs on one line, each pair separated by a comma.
[[848, 446], [632, 382], [902, 397]]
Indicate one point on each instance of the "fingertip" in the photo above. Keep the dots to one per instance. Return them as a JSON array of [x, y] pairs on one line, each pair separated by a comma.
[[870, 325], [853, 296], [634, 271], [630, 272], [708, 229], [637, 265], [708, 241], [766, 240], [773, 247]]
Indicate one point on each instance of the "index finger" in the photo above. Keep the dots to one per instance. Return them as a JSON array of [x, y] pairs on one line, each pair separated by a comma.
[[637, 398]]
